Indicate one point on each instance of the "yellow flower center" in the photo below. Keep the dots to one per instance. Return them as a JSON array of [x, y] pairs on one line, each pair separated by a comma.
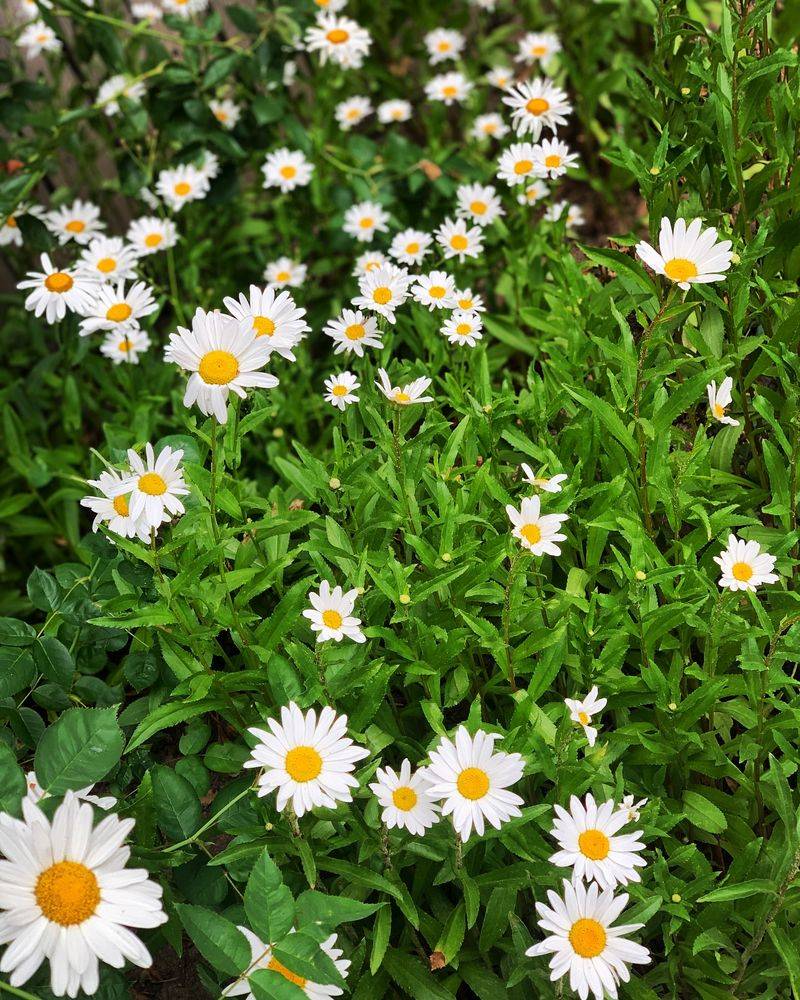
[[531, 533], [443, 46], [478, 207], [106, 264], [463, 329], [331, 618], [218, 367], [742, 571], [152, 484], [153, 239], [125, 345], [583, 718], [76, 226], [719, 411], [490, 127], [42, 37], [412, 248], [11, 222], [465, 303], [459, 242], [276, 966], [680, 269], [282, 276], [437, 291], [473, 783], [404, 798], [594, 845], [367, 222], [338, 390], [552, 161], [587, 937], [337, 36], [67, 893], [263, 326], [382, 295], [119, 312], [537, 106], [288, 171], [303, 764], [355, 331], [449, 90], [401, 397], [539, 50], [120, 505], [221, 116], [352, 114], [523, 167], [59, 282], [182, 188]]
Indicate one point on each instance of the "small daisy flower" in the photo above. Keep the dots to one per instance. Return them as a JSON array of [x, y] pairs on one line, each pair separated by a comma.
[[10, 233], [458, 241], [533, 193], [353, 331], [275, 317], [410, 246], [581, 711], [153, 486], [365, 219], [467, 302], [687, 254], [115, 87], [488, 126], [537, 532], [463, 328], [550, 484], [339, 39], [537, 47], [309, 761], [37, 38], [479, 203], [351, 112], [516, 164], [552, 158], [436, 290], [182, 184], [287, 169], [226, 111], [184, 8], [285, 273], [331, 6], [79, 221], [744, 566], [450, 88], [383, 290], [471, 781], [149, 234], [36, 793], [394, 111], [28, 10], [501, 77], [107, 259], [443, 44], [720, 399], [631, 808], [222, 358], [114, 308], [331, 616], [575, 217], [341, 390], [406, 394], [584, 942], [587, 836], [371, 260], [125, 346], [55, 291], [111, 509], [262, 958], [536, 105], [403, 800]]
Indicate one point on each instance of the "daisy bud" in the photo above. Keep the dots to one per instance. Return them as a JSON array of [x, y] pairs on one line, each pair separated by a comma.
[[405, 598], [335, 483]]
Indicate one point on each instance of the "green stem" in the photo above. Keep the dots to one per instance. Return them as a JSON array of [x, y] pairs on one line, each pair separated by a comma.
[[17, 992], [506, 618], [207, 825]]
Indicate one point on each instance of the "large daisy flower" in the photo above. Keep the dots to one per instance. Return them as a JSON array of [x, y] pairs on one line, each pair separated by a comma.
[[687, 255], [108, 258], [273, 316], [262, 958], [149, 234], [436, 290], [114, 308], [153, 487], [286, 169], [516, 164], [353, 331], [403, 395], [54, 291], [339, 39], [310, 762], [478, 202], [744, 566], [458, 240], [111, 508], [552, 158], [79, 221], [403, 800], [340, 390], [363, 220], [331, 614], [471, 781], [179, 185], [463, 328], [383, 290], [537, 104], [410, 246], [537, 532]]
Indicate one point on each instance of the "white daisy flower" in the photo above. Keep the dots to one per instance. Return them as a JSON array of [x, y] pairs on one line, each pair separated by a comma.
[[79, 221], [552, 158], [208, 164], [371, 260], [488, 126], [339, 39], [631, 808], [331, 616], [149, 234], [501, 77], [114, 87], [154, 485], [516, 164], [185, 8], [112, 509], [443, 44], [226, 111], [68, 897], [457, 240], [436, 290], [394, 111], [451, 88], [28, 10], [287, 169], [537, 47], [223, 357], [331, 6], [537, 104], [285, 273], [37, 38], [341, 390], [550, 484], [471, 781], [478, 202], [146, 11], [55, 291], [590, 845], [365, 219], [403, 800], [114, 308], [36, 793], [744, 566], [275, 317], [537, 532], [353, 331], [125, 346], [720, 399], [687, 254], [310, 762], [463, 328], [262, 958], [10, 233], [108, 258], [467, 302], [410, 246], [582, 710], [383, 290], [584, 943], [351, 112], [182, 184], [406, 394], [533, 193], [575, 217]]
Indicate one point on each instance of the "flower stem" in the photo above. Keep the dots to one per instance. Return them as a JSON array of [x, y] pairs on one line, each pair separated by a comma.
[[506, 618]]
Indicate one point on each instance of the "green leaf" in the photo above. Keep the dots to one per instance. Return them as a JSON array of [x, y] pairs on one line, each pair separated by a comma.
[[17, 670], [413, 978], [319, 907], [218, 940], [79, 749], [268, 903], [170, 715], [741, 890], [302, 954], [177, 806], [703, 813], [12, 782], [53, 661]]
